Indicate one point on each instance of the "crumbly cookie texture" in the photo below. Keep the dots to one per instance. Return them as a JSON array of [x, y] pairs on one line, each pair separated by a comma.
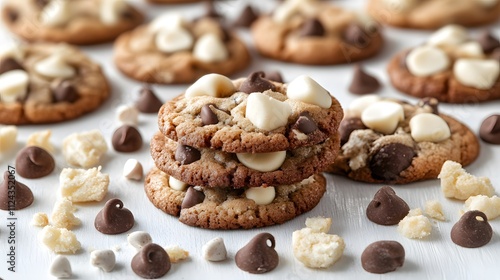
[[63, 214], [176, 253], [415, 225], [226, 208], [84, 149], [59, 240], [457, 183], [490, 206], [81, 185], [434, 209]]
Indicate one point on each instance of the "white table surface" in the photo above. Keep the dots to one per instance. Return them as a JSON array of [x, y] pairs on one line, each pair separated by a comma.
[[435, 257]]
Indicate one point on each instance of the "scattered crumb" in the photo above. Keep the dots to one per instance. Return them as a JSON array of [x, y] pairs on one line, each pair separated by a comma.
[[457, 183], [59, 240], [62, 214], [319, 224], [80, 185], [41, 139], [490, 206], [415, 225], [434, 209], [84, 149], [176, 253], [40, 219]]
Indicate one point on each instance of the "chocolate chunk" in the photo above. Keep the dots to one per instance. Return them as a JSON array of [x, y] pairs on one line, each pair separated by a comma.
[[126, 139], [247, 17], [305, 123], [207, 115], [186, 154], [490, 130], [488, 42], [470, 232], [256, 83], [312, 28], [12, 15], [192, 198], [148, 102], [273, 76], [257, 256], [347, 126], [362, 82], [386, 208], [151, 262], [383, 256], [113, 218], [65, 92], [34, 162], [390, 160], [429, 102], [14, 195], [355, 35], [8, 64]]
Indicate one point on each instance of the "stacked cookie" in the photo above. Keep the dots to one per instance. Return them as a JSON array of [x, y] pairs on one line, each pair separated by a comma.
[[245, 153]]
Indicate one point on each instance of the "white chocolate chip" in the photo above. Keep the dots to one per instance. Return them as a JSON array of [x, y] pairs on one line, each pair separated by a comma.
[[132, 170], [61, 267], [55, 66], [400, 5], [8, 137], [477, 73], [176, 253], [470, 49], [427, 127], [59, 240], [139, 239], [487, 3], [307, 90], [40, 219], [103, 259], [41, 139], [13, 86], [174, 40], [266, 112], [210, 48], [63, 214], [167, 21], [80, 185], [383, 116], [84, 149], [111, 10], [127, 114], [427, 60], [450, 35], [457, 183], [490, 206], [319, 224], [261, 195], [176, 184], [263, 162], [215, 85], [56, 13], [358, 105], [285, 11], [215, 250]]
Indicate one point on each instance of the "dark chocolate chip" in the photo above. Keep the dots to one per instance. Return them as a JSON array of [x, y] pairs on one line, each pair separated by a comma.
[[305, 123], [186, 154], [212, 11], [192, 198], [113, 218], [390, 160], [9, 64], [256, 83], [34, 162], [430, 102], [126, 139], [312, 28], [148, 102], [12, 15], [151, 262], [207, 115], [273, 76], [386, 208], [355, 35], [490, 130], [488, 42], [347, 126], [257, 256], [383, 256], [362, 82], [247, 17], [65, 92], [23, 197], [470, 232]]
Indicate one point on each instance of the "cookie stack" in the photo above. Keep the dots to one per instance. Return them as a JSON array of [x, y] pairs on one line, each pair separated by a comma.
[[243, 153]]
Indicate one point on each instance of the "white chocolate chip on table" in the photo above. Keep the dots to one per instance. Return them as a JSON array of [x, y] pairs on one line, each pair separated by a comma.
[[214, 250], [383, 116], [133, 170], [13, 86], [127, 114], [80, 185], [215, 85], [103, 259], [457, 183], [266, 112], [84, 149], [60, 267], [429, 127], [261, 195], [490, 206], [8, 137], [427, 60], [139, 239], [477, 73], [307, 90]]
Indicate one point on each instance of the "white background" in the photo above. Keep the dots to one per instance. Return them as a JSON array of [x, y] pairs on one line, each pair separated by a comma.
[[435, 257]]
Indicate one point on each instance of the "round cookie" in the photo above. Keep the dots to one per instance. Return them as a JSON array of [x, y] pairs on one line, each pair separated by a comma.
[[317, 33], [426, 14], [46, 83], [79, 22], [226, 208]]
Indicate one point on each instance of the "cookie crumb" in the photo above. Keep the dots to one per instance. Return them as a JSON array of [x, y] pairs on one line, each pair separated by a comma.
[[41, 139], [457, 183], [59, 240], [490, 206], [63, 214], [40, 219], [84, 149], [434, 209], [415, 225], [80, 185], [176, 253]]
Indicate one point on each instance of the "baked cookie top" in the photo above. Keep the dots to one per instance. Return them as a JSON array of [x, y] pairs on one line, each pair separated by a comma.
[[432, 14], [316, 32], [43, 83], [391, 141], [451, 67], [173, 50], [251, 115], [80, 22]]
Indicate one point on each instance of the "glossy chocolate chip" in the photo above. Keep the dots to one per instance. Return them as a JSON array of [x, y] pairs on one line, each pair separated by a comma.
[[207, 115], [471, 232], [113, 218], [192, 198], [258, 256], [305, 123], [247, 17], [8, 64], [347, 126], [383, 256], [34, 162], [362, 82], [126, 139], [386, 208], [65, 92], [430, 102], [186, 154], [490, 129], [488, 42], [147, 101], [312, 28], [15, 195], [255, 82], [390, 160], [151, 262], [273, 76], [355, 35]]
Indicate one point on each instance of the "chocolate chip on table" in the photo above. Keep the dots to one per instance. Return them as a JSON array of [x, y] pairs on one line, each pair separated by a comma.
[[22, 199], [65, 92], [273, 76], [490, 129], [151, 262], [356, 36], [383, 256], [305, 123], [114, 218], [312, 28], [431, 102], [126, 139], [386, 208], [34, 162], [472, 230], [8, 64], [257, 256], [192, 198], [362, 82], [347, 126], [208, 117], [186, 154], [147, 101], [488, 42], [388, 162], [255, 82], [247, 17]]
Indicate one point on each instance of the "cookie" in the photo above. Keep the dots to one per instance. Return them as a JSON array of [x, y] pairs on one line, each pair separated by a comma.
[[315, 32], [393, 142], [226, 208], [426, 14], [46, 83], [74, 22], [235, 118], [171, 50], [214, 168], [450, 67]]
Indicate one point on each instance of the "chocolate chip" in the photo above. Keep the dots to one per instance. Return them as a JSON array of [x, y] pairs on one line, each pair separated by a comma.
[[305, 123], [256, 83], [273, 76], [429, 102], [65, 92], [192, 198], [312, 28], [186, 154], [9, 64], [355, 35], [390, 160], [496, 54], [207, 115], [347, 126], [126, 139], [148, 102], [257, 256], [383, 256], [23, 196], [12, 15], [246, 18], [151, 262], [212, 11], [490, 129], [470, 232], [34, 162], [362, 82], [113, 218], [488, 42], [41, 3], [386, 208]]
